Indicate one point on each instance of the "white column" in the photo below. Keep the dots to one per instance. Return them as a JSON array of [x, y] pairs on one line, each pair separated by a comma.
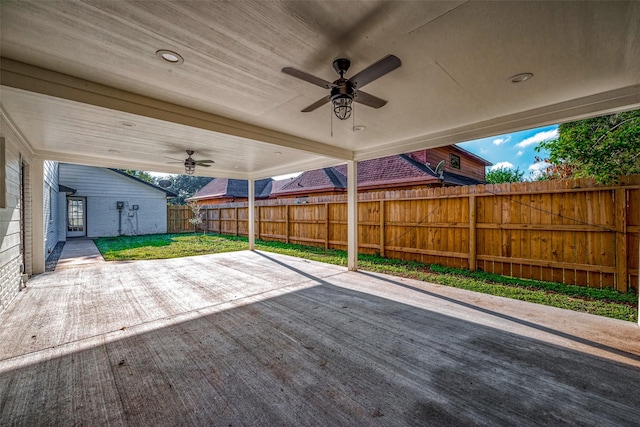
[[352, 215], [251, 229], [37, 215]]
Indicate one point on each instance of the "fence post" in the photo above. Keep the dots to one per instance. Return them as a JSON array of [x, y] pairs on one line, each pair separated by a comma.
[[236, 221], [382, 220], [286, 224], [622, 272], [472, 232], [326, 225], [258, 220]]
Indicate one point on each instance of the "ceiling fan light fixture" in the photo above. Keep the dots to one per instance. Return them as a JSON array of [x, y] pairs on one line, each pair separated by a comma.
[[189, 166], [342, 106]]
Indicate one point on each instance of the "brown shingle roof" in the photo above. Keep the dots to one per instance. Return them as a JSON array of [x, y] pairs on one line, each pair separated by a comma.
[[229, 187], [383, 172]]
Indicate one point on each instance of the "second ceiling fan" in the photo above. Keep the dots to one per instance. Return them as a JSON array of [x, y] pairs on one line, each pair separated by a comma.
[[344, 91]]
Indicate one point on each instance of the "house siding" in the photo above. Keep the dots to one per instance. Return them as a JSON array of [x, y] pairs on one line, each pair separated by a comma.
[[469, 167], [51, 234], [104, 189], [11, 262]]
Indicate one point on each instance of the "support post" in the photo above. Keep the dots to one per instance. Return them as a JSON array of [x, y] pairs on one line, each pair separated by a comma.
[[251, 215], [37, 215], [352, 215]]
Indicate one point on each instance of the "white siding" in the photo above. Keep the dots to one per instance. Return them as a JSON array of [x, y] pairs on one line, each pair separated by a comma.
[[102, 188], [10, 256], [51, 234]]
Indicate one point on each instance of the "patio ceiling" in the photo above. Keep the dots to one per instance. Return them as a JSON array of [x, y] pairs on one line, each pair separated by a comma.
[[82, 82]]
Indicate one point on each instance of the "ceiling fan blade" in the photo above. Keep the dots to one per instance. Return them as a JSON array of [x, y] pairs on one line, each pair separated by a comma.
[[318, 103], [307, 77], [176, 162], [204, 165], [374, 71], [204, 162], [369, 100]]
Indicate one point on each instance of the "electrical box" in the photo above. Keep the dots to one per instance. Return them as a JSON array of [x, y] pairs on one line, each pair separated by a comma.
[[135, 207], [120, 205]]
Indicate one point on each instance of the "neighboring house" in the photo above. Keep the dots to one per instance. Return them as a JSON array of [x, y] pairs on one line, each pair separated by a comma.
[[99, 202], [404, 171], [227, 190]]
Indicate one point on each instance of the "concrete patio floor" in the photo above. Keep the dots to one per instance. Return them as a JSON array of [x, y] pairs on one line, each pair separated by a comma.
[[259, 339]]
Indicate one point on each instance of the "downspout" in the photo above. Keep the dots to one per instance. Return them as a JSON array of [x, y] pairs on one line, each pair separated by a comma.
[[120, 207]]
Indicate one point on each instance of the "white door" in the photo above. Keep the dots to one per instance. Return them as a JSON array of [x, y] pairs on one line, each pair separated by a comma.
[[76, 217]]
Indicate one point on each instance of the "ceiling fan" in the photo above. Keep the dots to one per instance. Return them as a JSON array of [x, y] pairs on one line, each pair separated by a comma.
[[344, 91], [190, 163]]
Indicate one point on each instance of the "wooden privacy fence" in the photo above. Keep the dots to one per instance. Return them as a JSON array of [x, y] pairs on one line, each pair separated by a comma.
[[571, 231]]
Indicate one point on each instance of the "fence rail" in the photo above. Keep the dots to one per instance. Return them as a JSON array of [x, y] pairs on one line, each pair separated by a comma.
[[572, 231]]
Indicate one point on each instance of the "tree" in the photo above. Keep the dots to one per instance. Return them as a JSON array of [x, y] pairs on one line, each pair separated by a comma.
[[145, 176], [603, 148], [184, 186], [198, 216], [501, 175]]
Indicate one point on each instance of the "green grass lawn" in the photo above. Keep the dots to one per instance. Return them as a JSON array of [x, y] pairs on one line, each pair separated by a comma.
[[603, 302]]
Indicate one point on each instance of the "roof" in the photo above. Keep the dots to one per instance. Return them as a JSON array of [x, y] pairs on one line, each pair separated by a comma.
[[65, 189], [470, 154], [385, 172], [167, 192], [229, 187]]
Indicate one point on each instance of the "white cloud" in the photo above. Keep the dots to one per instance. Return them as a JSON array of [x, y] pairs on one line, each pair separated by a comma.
[[520, 153], [538, 137], [499, 141], [537, 168], [502, 165]]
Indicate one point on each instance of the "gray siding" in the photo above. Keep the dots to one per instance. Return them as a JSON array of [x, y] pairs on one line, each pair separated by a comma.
[[51, 232], [102, 188]]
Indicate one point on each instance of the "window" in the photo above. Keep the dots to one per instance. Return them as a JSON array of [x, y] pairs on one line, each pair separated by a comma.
[[3, 173], [454, 161]]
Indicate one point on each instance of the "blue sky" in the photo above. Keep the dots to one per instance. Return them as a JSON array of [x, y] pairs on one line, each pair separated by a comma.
[[514, 150]]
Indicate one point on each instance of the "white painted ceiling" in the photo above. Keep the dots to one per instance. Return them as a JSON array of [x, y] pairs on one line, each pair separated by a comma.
[[82, 82]]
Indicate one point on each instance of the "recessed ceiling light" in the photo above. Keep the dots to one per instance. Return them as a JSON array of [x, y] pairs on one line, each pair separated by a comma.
[[519, 78], [128, 124], [169, 56], [359, 128], [277, 153]]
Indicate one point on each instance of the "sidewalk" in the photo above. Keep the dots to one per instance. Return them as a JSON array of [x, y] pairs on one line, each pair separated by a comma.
[[80, 251]]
